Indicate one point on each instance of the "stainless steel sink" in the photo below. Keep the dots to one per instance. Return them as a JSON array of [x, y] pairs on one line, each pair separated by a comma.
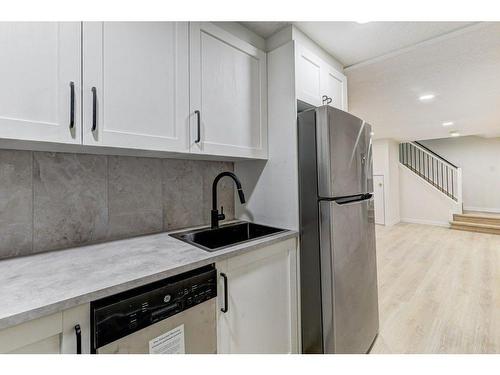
[[227, 235]]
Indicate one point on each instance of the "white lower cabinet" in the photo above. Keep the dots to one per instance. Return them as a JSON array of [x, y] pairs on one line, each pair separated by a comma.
[[39, 336], [52, 334], [72, 338], [257, 310], [260, 314]]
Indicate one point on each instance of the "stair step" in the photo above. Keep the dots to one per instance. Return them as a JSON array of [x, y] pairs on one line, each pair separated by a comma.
[[477, 219], [475, 227]]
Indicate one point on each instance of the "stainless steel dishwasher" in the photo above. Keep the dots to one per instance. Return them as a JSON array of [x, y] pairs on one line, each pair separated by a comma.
[[173, 316]]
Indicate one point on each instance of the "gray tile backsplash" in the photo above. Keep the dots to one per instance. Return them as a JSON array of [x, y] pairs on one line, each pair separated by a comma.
[[16, 203], [182, 183], [69, 200], [134, 196], [50, 201]]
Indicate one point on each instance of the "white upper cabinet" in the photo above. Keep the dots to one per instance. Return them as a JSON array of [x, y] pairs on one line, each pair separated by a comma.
[[334, 86], [317, 82], [40, 81], [308, 76], [228, 94], [153, 86], [136, 85]]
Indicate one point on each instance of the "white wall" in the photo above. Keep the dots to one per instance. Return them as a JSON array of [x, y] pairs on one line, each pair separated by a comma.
[[479, 159], [385, 162], [421, 203]]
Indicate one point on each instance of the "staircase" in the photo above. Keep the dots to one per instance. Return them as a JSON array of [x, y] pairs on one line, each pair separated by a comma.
[[446, 177], [476, 222], [433, 168]]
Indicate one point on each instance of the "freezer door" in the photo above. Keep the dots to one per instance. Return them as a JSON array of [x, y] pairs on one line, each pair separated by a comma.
[[348, 276], [343, 153]]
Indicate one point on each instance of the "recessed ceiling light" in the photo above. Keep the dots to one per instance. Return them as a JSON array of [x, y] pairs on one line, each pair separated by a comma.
[[426, 97], [455, 134], [448, 123]]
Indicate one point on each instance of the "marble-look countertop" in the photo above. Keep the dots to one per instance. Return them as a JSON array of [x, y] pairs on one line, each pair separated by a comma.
[[43, 284]]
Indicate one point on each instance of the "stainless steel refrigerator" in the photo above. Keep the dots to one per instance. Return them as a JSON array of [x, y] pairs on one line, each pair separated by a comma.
[[338, 270]]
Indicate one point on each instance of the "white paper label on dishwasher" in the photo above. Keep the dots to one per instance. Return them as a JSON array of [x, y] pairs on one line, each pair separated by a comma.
[[171, 342]]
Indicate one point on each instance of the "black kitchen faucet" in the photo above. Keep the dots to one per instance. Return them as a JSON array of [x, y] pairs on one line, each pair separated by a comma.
[[215, 215]]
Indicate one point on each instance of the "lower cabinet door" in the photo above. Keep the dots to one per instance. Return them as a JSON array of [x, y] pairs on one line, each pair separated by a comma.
[[257, 295], [50, 345], [39, 336], [76, 330]]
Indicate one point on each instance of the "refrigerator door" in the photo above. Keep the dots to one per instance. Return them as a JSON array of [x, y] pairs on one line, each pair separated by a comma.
[[343, 153], [348, 275]]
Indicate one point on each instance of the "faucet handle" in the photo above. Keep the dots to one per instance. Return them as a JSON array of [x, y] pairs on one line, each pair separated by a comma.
[[221, 215]]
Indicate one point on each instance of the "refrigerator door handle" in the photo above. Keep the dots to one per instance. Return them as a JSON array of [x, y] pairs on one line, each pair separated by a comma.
[[353, 199]]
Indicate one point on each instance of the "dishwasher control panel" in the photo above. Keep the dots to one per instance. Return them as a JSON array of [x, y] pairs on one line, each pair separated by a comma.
[[122, 314]]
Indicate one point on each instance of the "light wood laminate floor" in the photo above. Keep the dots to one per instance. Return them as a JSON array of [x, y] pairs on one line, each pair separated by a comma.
[[439, 290]]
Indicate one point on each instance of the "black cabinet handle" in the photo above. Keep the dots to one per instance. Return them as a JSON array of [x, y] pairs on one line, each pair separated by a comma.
[[94, 109], [72, 105], [198, 126], [328, 100], [78, 333], [324, 98], [225, 308]]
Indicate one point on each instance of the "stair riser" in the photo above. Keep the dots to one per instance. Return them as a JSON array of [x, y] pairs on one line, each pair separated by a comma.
[[477, 220], [476, 229]]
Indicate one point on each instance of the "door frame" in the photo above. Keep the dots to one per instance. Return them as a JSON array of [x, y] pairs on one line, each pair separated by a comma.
[[383, 193]]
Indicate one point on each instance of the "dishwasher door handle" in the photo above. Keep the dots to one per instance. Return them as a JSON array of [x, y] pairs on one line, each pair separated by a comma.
[[225, 308], [78, 334]]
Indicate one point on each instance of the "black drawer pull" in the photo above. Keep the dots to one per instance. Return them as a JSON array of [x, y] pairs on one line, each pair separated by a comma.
[[198, 126], [72, 105], [94, 109]]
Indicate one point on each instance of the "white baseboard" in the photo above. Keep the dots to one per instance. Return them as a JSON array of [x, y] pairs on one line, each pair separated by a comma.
[[482, 209], [393, 222], [426, 222]]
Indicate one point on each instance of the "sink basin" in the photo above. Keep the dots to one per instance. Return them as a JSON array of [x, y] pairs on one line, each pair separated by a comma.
[[224, 236]]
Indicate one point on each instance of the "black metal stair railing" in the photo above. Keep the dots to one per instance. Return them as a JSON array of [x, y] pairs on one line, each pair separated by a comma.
[[433, 168]]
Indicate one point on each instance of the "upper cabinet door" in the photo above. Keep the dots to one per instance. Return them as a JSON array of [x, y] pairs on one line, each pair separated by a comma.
[[228, 94], [40, 70], [334, 85], [308, 76], [136, 85], [318, 82]]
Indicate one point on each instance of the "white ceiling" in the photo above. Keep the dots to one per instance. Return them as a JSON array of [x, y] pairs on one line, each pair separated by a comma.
[[462, 69], [265, 29], [390, 64], [352, 42]]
